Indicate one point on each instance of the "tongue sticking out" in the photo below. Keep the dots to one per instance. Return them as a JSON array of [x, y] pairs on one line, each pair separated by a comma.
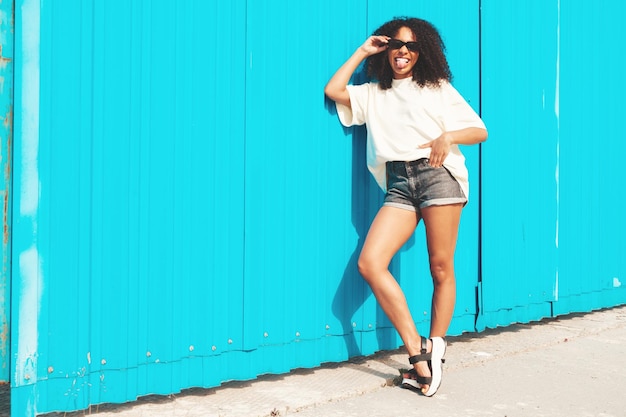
[[402, 63]]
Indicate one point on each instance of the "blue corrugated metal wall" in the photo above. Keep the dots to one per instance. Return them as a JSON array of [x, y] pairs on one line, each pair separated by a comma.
[[519, 217], [592, 225], [552, 233], [188, 209]]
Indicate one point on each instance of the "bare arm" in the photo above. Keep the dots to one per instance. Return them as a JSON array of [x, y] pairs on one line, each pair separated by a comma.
[[440, 147], [336, 87]]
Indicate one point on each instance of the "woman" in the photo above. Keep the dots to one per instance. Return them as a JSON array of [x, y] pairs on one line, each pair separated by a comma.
[[415, 121]]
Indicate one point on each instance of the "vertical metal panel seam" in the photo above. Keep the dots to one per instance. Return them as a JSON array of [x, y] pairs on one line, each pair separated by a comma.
[[174, 206], [244, 269], [90, 198], [557, 111], [479, 310], [5, 277], [6, 146]]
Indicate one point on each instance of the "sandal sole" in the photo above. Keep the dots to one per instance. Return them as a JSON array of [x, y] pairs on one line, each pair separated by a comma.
[[411, 385], [438, 352]]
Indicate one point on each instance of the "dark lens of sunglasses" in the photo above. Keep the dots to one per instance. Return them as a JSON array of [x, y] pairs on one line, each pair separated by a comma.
[[396, 44], [412, 46]]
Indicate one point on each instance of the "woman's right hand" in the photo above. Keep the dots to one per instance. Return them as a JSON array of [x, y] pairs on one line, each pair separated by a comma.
[[375, 44]]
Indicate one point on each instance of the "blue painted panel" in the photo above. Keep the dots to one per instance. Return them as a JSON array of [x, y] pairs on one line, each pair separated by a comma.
[[26, 279], [135, 272], [6, 194], [520, 200], [188, 210], [62, 222], [303, 220], [592, 242]]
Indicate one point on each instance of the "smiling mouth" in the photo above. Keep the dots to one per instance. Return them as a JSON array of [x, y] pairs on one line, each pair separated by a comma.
[[402, 62]]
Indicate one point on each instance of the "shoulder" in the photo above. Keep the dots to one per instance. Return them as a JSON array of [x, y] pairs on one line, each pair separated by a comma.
[[444, 87], [447, 92], [368, 89]]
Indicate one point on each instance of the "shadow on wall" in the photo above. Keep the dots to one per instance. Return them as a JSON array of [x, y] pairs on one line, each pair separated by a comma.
[[366, 199], [353, 290]]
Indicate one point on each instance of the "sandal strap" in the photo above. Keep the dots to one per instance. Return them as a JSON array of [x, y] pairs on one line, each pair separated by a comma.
[[423, 380], [424, 355]]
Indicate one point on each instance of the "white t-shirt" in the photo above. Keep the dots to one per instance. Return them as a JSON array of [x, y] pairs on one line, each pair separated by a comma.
[[405, 116]]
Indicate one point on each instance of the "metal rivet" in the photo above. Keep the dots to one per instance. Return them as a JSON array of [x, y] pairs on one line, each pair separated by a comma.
[[354, 324], [191, 348], [265, 334], [50, 369], [327, 327], [148, 354], [103, 361], [425, 313], [369, 325], [297, 334], [230, 341], [213, 348]]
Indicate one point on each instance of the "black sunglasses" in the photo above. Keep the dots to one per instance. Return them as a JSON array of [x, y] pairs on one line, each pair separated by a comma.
[[397, 44]]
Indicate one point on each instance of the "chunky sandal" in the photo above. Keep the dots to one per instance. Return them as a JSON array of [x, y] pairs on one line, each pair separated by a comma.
[[436, 364], [410, 379], [435, 360]]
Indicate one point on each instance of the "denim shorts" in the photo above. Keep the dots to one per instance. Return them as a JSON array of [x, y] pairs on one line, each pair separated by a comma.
[[414, 185]]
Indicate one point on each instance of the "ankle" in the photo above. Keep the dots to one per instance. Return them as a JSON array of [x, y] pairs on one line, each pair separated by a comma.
[[416, 348]]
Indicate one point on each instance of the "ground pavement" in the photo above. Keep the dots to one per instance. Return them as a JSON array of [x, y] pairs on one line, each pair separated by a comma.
[[574, 366]]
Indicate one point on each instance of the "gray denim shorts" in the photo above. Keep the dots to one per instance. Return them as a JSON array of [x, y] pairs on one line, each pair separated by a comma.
[[414, 185]]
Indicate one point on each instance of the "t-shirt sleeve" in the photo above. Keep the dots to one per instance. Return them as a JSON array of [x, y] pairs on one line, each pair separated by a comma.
[[459, 114], [354, 115]]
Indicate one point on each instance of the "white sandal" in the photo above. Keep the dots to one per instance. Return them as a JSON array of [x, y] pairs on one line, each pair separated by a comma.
[[436, 364], [434, 358]]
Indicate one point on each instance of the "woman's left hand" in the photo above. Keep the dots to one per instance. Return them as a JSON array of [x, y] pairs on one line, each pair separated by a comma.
[[439, 149]]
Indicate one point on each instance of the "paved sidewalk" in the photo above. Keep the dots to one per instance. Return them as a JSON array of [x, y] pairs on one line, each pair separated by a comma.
[[573, 366]]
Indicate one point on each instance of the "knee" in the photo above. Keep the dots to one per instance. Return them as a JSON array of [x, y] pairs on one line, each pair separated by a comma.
[[442, 271], [368, 267]]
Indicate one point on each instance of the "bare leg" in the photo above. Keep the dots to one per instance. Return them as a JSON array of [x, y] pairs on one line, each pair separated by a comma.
[[442, 226], [391, 228]]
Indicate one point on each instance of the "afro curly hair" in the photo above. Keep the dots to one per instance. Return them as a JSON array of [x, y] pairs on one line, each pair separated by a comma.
[[432, 66]]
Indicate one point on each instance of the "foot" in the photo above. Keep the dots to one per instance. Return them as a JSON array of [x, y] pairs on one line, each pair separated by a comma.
[[420, 376], [427, 367], [423, 370]]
